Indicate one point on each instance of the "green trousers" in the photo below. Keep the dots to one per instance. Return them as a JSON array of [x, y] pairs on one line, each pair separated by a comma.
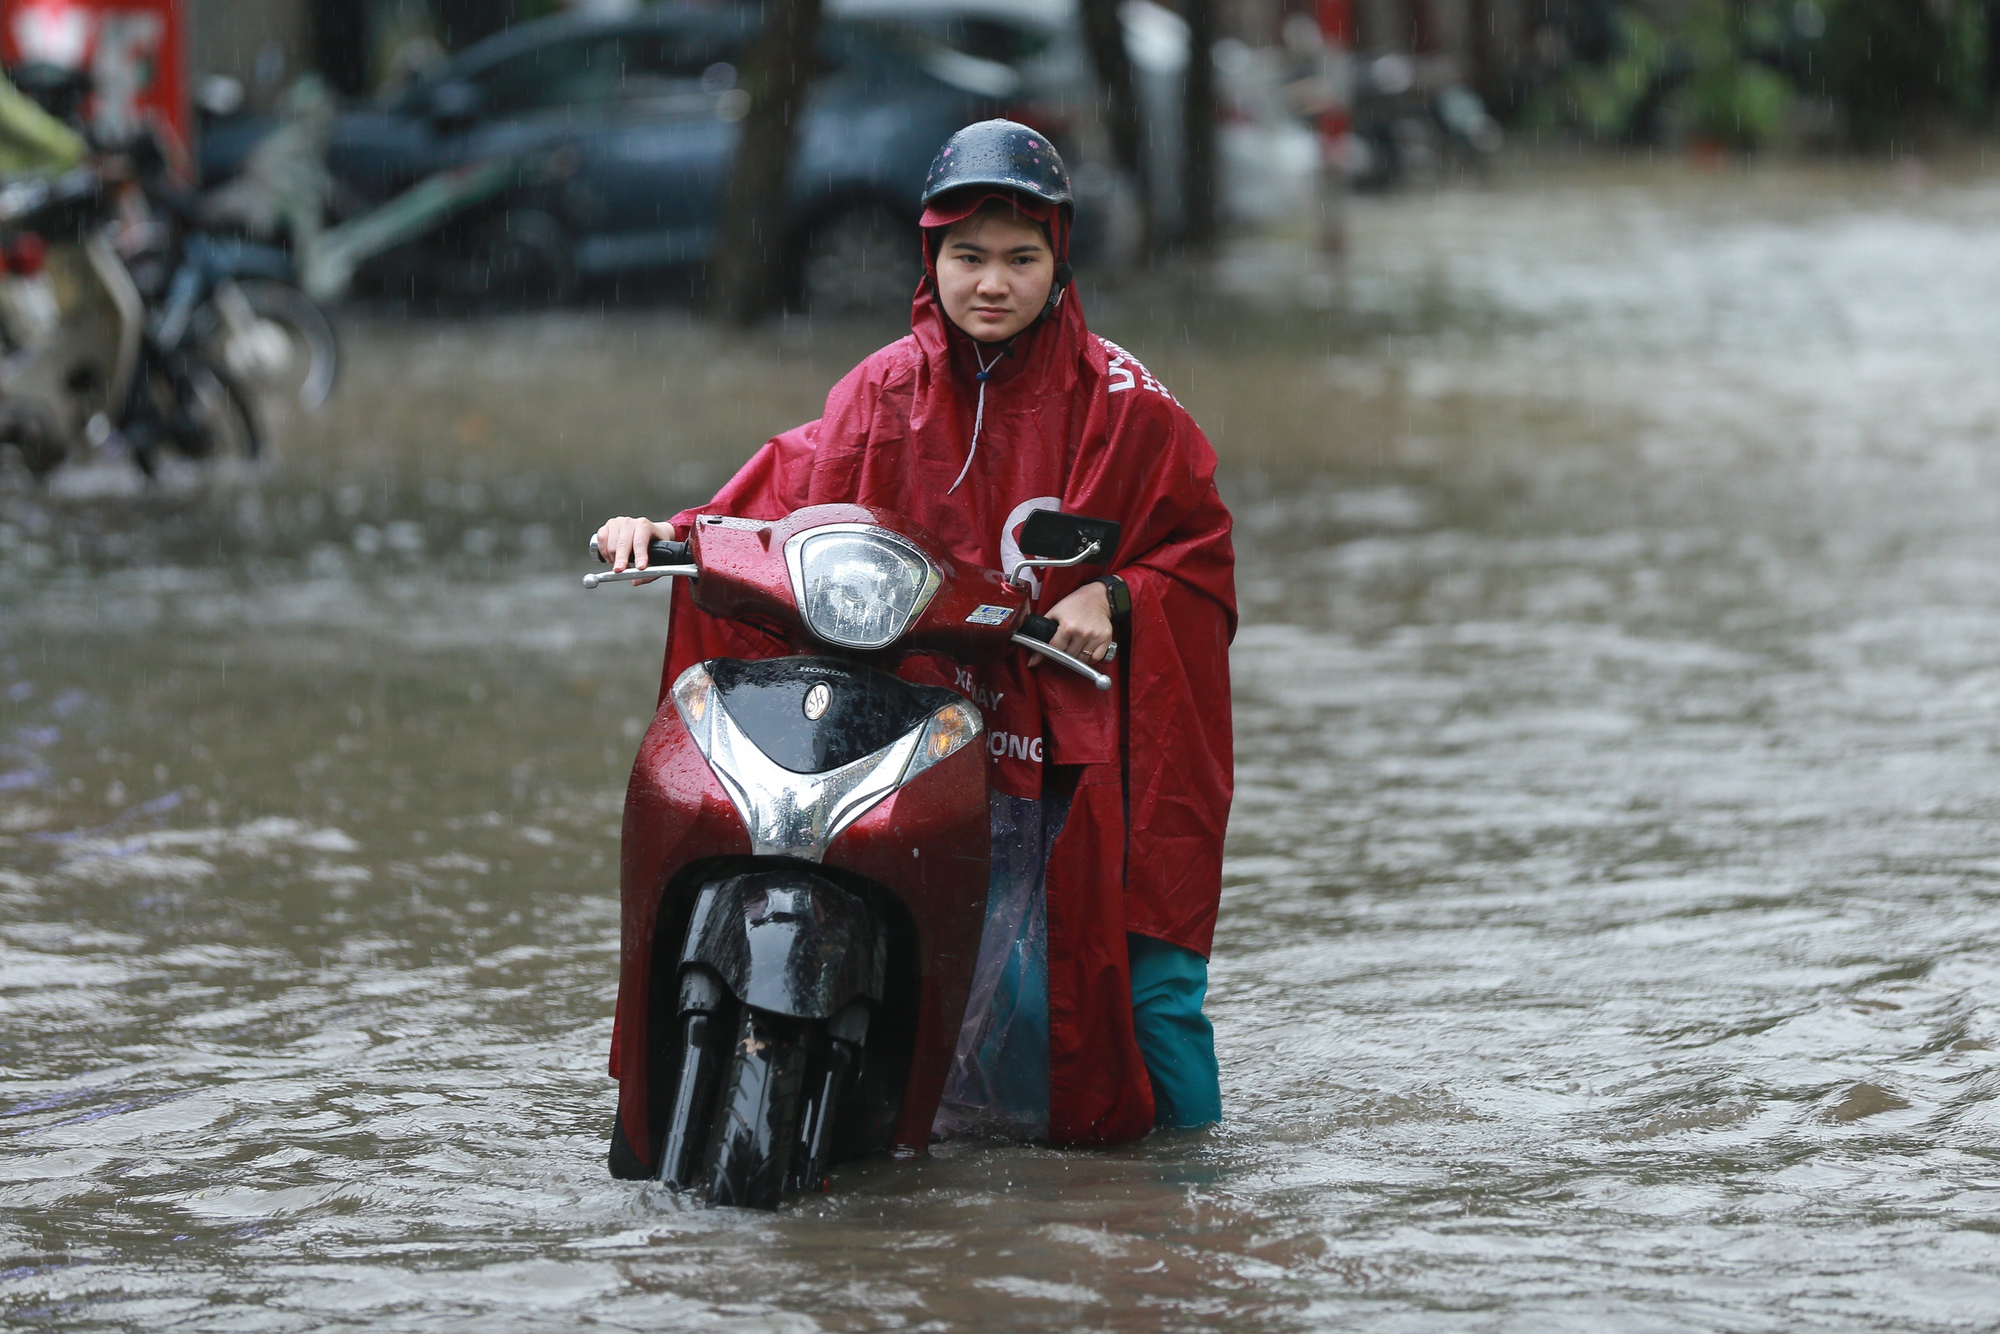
[[1168, 986]]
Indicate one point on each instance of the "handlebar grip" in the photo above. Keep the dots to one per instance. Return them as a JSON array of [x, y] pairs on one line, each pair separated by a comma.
[[658, 552], [1039, 627]]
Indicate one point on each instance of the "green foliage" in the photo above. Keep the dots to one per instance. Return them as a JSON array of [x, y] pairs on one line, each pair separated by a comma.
[[1729, 97], [1894, 64], [1699, 77], [1729, 71], [1605, 100]]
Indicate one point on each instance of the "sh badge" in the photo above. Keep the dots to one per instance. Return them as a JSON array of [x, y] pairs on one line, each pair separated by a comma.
[[816, 701], [984, 615]]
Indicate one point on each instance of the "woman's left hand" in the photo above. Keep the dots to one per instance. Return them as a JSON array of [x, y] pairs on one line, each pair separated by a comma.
[[1083, 624]]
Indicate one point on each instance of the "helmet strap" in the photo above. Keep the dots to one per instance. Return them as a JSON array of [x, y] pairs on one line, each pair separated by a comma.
[[1056, 293]]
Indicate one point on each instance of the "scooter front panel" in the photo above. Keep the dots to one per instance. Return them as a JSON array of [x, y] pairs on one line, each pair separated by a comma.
[[675, 812], [813, 715], [930, 845], [788, 814], [910, 817]]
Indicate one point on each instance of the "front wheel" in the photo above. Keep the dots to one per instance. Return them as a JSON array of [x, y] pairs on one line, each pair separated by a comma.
[[757, 1116], [185, 407], [274, 336], [215, 422], [29, 430]]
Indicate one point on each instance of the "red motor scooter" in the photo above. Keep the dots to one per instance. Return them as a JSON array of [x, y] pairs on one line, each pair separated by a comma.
[[806, 846]]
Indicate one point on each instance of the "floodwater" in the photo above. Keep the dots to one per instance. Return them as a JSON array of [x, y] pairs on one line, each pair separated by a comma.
[[1612, 929]]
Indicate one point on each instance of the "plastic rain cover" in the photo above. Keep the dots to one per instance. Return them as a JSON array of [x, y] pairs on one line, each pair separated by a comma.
[[999, 1080]]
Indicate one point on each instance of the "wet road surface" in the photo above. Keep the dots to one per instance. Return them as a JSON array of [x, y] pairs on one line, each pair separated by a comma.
[[1610, 938]]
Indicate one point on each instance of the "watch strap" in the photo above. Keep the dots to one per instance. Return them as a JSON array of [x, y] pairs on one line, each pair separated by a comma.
[[1120, 594]]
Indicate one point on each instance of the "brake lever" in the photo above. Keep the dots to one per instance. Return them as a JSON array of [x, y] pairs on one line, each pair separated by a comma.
[[650, 572], [1077, 665]]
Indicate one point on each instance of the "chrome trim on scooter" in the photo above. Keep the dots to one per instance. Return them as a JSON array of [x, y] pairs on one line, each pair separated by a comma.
[[788, 814]]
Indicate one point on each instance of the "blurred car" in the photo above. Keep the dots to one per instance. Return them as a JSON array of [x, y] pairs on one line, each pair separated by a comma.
[[1034, 53], [628, 127]]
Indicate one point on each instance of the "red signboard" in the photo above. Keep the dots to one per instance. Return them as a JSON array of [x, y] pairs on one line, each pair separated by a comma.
[[131, 48]]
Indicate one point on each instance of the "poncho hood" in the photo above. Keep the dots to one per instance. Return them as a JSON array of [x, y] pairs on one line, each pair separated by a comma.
[[1057, 334]]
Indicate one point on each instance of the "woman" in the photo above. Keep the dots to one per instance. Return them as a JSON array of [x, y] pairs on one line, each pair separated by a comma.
[[1109, 808]]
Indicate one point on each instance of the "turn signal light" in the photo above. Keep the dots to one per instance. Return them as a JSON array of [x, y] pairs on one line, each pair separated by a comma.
[[692, 692], [952, 727]]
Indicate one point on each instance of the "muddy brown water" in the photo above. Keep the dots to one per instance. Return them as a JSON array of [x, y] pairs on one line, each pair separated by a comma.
[[1610, 938]]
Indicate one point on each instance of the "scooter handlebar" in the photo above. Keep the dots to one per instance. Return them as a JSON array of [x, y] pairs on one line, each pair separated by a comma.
[[1036, 632], [1044, 629], [664, 559], [667, 559]]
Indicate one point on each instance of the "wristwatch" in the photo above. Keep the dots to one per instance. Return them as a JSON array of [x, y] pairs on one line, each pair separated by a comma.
[[1120, 595]]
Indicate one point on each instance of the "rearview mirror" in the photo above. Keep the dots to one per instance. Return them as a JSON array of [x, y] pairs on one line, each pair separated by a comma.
[[1052, 535]]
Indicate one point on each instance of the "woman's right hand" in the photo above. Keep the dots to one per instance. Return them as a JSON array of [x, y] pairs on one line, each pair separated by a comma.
[[623, 542]]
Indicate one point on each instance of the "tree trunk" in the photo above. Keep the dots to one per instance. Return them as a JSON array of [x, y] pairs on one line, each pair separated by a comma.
[[1480, 42], [1199, 181], [746, 277], [1106, 36]]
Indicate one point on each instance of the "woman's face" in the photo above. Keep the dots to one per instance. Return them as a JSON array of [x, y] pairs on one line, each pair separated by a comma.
[[994, 275]]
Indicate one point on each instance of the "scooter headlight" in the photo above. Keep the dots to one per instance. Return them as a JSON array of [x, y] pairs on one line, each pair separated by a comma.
[[858, 586]]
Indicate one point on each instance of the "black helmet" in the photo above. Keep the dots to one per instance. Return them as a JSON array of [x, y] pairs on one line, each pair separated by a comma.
[[1001, 153]]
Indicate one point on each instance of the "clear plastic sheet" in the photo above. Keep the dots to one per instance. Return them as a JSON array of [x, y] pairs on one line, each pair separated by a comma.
[[999, 1080]]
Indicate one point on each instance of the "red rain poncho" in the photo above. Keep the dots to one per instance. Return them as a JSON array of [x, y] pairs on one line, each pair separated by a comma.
[[1070, 421]]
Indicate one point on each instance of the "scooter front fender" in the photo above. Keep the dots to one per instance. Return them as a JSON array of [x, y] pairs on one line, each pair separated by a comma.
[[787, 942]]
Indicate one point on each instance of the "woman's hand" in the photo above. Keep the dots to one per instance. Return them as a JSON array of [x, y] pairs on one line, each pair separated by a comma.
[[1083, 624], [623, 542]]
